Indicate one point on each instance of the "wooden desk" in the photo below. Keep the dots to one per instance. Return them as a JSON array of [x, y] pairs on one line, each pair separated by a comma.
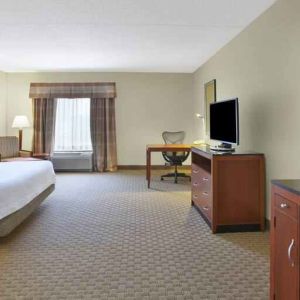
[[162, 148]]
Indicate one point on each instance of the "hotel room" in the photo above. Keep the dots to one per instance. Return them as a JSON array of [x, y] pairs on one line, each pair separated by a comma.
[[149, 149]]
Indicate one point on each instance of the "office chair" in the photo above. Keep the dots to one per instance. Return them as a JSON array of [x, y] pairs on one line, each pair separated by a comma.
[[174, 158]]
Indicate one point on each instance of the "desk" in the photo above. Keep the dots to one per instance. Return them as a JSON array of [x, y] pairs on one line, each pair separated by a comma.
[[162, 148]]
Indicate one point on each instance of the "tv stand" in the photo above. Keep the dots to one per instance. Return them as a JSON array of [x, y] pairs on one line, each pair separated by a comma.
[[224, 147], [228, 189]]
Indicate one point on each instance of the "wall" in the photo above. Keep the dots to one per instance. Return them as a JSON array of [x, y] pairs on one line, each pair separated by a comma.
[[261, 66], [147, 104], [2, 103]]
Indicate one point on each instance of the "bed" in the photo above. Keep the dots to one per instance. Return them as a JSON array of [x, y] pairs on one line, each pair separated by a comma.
[[23, 186]]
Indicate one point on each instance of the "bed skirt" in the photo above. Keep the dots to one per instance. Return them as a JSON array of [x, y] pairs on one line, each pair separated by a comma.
[[10, 222]]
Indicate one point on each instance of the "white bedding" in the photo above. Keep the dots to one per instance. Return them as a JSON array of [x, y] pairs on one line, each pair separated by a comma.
[[21, 182]]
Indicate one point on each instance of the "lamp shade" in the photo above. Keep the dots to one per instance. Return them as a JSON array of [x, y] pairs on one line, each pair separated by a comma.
[[20, 122]]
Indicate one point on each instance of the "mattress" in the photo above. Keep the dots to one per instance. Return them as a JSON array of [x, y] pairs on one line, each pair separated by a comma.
[[21, 182]]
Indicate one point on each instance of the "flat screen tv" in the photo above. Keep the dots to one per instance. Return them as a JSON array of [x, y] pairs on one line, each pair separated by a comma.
[[224, 122]]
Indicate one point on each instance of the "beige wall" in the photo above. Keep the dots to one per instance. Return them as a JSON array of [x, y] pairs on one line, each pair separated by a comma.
[[147, 104], [262, 67], [2, 103]]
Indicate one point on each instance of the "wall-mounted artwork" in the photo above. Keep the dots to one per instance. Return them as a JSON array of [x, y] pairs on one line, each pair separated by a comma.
[[210, 90]]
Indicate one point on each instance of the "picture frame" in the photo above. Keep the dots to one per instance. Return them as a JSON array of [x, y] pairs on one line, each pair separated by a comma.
[[210, 96]]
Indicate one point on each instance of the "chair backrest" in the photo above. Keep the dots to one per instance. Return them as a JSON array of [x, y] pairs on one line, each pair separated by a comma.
[[9, 146], [173, 137], [176, 137]]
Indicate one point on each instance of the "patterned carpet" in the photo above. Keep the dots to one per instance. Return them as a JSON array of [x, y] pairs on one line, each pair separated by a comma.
[[106, 236]]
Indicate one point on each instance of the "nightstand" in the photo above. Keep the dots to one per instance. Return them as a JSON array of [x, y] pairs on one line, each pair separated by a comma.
[[43, 156]]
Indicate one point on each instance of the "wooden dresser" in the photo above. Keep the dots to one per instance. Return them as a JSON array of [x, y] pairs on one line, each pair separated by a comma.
[[229, 189], [285, 229]]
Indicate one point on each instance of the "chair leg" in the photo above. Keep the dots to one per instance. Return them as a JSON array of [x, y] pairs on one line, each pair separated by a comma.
[[176, 175]]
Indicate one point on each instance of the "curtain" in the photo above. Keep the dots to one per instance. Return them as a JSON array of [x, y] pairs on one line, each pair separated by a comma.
[[44, 111], [73, 90], [103, 134], [72, 129]]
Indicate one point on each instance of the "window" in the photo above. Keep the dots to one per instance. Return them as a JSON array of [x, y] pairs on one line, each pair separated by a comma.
[[72, 127]]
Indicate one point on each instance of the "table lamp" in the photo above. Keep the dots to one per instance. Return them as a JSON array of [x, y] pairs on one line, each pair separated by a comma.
[[20, 122]]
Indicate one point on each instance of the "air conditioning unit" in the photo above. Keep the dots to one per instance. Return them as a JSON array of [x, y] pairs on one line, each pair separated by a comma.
[[72, 161]]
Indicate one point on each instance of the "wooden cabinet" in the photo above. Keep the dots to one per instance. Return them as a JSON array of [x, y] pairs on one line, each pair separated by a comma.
[[201, 190], [229, 189], [284, 273]]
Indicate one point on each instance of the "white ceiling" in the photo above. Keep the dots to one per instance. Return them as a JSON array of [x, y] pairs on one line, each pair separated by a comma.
[[119, 35]]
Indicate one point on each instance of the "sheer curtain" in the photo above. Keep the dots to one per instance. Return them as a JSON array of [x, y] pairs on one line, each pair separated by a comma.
[[72, 130]]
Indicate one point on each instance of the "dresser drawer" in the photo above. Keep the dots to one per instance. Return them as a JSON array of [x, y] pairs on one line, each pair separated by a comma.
[[286, 206], [204, 205], [200, 174], [199, 185], [201, 194]]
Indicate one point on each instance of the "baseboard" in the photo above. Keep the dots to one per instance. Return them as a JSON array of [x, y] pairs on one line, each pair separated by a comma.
[[153, 167]]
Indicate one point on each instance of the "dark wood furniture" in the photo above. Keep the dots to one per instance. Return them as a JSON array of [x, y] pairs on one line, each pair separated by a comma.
[[229, 189], [43, 156], [162, 148], [20, 139], [284, 273]]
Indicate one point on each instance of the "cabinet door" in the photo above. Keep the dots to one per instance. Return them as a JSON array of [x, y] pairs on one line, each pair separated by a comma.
[[286, 257]]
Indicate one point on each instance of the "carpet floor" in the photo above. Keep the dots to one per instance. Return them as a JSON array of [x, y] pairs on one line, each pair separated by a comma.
[[106, 236]]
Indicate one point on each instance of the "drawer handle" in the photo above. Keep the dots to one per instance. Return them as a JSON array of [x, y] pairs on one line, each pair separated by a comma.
[[205, 207], [195, 171], [284, 205], [195, 183], [290, 251], [195, 196], [205, 193], [205, 179]]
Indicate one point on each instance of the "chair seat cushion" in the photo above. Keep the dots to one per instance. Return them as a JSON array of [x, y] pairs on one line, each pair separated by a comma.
[[176, 159]]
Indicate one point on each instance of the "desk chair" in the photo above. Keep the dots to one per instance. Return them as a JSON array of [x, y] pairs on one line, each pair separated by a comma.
[[174, 158]]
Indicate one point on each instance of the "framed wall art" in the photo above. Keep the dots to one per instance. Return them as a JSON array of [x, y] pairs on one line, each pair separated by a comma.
[[210, 96]]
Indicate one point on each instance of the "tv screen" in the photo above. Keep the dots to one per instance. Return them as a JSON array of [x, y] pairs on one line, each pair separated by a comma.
[[224, 121]]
